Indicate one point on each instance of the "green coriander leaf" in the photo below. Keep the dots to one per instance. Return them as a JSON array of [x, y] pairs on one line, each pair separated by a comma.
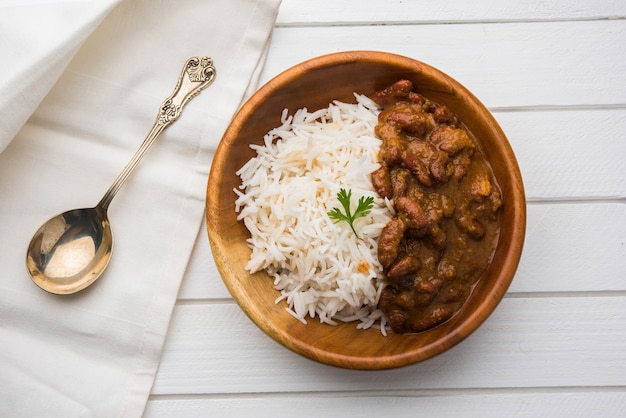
[[364, 207], [336, 215]]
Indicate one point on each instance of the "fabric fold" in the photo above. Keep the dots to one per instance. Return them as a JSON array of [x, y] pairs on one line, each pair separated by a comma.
[[38, 42]]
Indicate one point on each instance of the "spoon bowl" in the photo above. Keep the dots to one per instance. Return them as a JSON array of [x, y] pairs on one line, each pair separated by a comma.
[[71, 250]]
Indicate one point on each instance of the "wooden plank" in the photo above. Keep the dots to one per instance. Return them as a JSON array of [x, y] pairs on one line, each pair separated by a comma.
[[571, 154], [573, 248], [547, 342], [476, 403], [578, 63], [304, 12]]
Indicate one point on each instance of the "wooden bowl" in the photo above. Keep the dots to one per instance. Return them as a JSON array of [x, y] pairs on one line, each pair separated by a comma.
[[314, 84]]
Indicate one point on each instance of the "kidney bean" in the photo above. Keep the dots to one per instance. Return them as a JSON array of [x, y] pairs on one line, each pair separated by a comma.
[[442, 114], [392, 147], [413, 211], [387, 297], [404, 265], [425, 286], [397, 321], [452, 293], [418, 124], [393, 93], [421, 300], [418, 167], [389, 242], [416, 98], [381, 180], [460, 164], [400, 182], [434, 214], [423, 149], [438, 165], [438, 236], [405, 300], [434, 161], [451, 140], [432, 317]]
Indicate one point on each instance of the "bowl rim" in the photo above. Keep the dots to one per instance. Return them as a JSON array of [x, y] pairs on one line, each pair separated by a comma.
[[465, 327]]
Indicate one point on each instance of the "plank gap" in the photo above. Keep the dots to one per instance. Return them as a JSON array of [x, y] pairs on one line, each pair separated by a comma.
[[566, 294], [413, 393], [557, 108], [358, 23], [578, 200]]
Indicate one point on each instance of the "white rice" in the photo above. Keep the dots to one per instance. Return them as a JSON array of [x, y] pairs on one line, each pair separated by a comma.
[[320, 267]]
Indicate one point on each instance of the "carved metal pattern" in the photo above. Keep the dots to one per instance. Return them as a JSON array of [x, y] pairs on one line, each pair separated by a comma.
[[200, 70], [196, 75]]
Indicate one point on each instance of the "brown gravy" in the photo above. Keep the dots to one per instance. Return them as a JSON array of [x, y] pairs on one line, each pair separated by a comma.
[[446, 227]]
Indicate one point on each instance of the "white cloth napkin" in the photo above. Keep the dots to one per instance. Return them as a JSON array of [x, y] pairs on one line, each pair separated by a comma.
[[80, 86]]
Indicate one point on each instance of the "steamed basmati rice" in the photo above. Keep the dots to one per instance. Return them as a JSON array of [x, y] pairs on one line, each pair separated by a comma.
[[321, 268]]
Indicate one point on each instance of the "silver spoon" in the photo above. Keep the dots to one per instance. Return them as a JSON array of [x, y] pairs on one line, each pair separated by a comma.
[[71, 250]]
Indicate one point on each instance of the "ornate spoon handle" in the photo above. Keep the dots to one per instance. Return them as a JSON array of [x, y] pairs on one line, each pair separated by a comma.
[[197, 74]]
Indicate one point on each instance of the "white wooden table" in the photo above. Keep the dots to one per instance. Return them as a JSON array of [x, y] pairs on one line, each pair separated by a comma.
[[554, 75]]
